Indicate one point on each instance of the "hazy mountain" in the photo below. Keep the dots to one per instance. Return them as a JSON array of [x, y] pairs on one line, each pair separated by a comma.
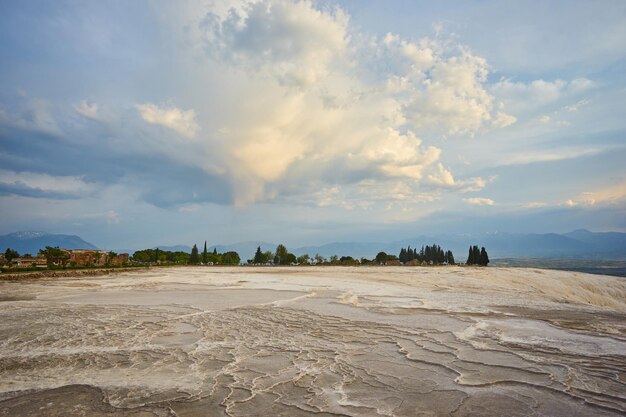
[[176, 248], [581, 244], [32, 242], [354, 249]]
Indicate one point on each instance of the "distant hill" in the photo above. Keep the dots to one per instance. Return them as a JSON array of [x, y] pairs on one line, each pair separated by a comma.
[[354, 249], [32, 242], [175, 248], [580, 244], [590, 266]]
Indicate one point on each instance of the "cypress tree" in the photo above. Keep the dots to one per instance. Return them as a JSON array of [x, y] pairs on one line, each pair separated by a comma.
[[470, 256], [450, 258], [258, 256], [484, 258], [205, 255], [195, 256]]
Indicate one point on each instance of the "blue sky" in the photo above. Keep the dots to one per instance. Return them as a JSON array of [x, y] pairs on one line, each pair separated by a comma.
[[139, 123]]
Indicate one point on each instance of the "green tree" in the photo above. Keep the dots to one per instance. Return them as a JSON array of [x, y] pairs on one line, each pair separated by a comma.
[[280, 256], [474, 256], [319, 259], [205, 254], [10, 254], [231, 258], [470, 257], [268, 256], [303, 259], [381, 258], [179, 257], [55, 256], [347, 260], [142, 256], [214, 258], [258, 256], [195, 256], [450, 257], [484, 258]]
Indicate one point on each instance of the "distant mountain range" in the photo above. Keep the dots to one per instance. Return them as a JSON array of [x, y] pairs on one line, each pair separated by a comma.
[[580, 244], [32, 242]]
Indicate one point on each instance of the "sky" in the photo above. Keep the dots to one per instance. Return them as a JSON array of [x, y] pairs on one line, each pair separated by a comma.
[[143, 123]]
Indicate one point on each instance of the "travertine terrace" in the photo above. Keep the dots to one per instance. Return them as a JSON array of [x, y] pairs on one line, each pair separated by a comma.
[[369, 341]]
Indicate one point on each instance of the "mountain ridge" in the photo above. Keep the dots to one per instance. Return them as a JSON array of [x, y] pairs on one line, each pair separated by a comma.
[[33, 241]]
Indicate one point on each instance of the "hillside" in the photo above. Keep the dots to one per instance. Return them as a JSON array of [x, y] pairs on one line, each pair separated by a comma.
[[32, 242]]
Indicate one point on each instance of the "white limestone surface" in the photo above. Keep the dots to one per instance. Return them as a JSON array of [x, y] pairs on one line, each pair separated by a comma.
[[315, 341]]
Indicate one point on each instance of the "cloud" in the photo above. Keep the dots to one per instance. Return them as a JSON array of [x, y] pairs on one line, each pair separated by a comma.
[[453, 97], [503, 120], [531, 157], [608, 195], [112, 217], [479, 201], [576, 106], [87, 110], [281, 98], [527, 97], [442, 176], [37, 185], [535, 204], [318, 100], [181, 121], [32, 114], [292, 41], [442, 86]]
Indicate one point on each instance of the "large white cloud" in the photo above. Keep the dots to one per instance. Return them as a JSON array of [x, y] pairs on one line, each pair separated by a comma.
[[291, 40], [321, 104], [285, 98]]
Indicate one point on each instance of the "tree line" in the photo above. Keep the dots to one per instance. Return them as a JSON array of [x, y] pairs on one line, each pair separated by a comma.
[[431, 255], [180, 257], [477, 257]]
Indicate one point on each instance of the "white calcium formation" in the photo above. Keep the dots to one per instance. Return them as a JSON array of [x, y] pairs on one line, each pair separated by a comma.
[[367, 341]]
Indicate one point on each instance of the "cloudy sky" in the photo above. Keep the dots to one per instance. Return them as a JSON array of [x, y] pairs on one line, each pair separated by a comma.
[[140, 123]]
